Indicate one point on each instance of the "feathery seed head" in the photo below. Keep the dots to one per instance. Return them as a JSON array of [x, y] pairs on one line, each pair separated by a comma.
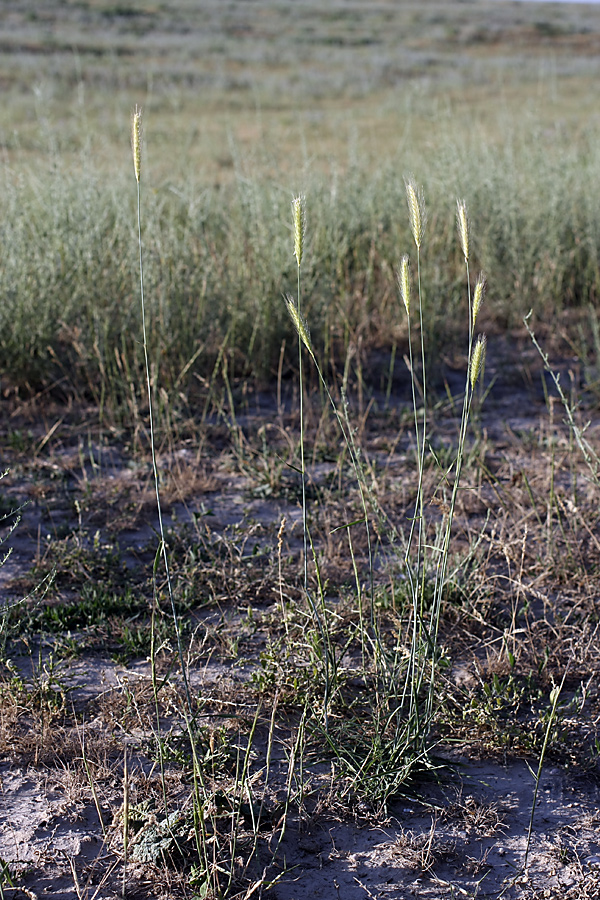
[[416, 211], [299, 217], [299, 323], [404, 283], [477, 360], [478, 296], [462, 221], [136, 142]]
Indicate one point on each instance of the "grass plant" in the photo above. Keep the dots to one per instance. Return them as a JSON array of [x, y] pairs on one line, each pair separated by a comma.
[[199, 793], [136, 147], [403, 712], [213, 872]]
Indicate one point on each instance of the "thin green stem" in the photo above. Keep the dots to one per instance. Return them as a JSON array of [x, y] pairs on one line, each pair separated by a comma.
[[589, 454], [199, 789], [163, 545], [442, 566], [321, 623], [554, 697], [416, 577], [303, 470]]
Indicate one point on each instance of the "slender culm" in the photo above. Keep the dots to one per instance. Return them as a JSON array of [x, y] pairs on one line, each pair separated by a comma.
[[136, 128], [295, 309]]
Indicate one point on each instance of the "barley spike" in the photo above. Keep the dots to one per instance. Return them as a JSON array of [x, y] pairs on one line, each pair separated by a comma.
[[136, 142]]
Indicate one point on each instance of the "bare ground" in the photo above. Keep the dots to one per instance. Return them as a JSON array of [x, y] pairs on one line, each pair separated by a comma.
[[82, 735]]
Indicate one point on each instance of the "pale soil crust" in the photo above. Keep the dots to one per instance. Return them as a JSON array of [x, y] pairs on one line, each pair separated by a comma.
[[471, 844]]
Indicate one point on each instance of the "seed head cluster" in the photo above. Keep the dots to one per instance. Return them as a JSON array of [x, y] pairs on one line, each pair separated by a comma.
[[416, 211], [136, 142], [299, 323], [299, 218], [462, 221], [404, 283], [477, 360], [478, 296]]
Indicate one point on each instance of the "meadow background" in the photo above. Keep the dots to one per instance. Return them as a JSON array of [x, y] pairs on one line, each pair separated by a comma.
[[246, 104]]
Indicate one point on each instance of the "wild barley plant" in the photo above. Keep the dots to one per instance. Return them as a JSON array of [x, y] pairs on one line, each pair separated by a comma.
[[427, 557], [402, 722], [136, 148], [199, 788], [402, 717], [299, 223], [416, 575], [318, 609], [327, 655]]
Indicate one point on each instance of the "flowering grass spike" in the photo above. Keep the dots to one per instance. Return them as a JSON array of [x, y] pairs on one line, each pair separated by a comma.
[[462, 221], [136, 142], [478, 297], [299, 227], [416, 211], [477, 360], [404, 283]]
